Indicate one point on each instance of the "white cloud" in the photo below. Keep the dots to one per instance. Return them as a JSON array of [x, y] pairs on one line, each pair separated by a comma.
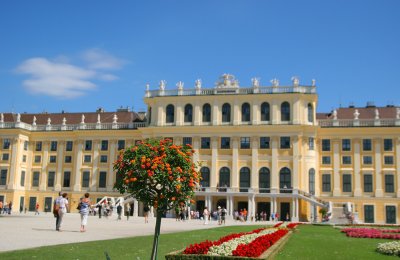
[[59, 78], [100, 59]]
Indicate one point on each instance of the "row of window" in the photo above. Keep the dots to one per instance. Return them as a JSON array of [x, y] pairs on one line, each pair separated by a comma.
[[68, 145], [68, 159], [369, 214], [366, 145], [66, 179], [347, 183], [366, 160], [226, 112]]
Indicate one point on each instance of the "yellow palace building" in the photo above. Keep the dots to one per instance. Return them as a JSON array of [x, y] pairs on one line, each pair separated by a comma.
[[263, 148]]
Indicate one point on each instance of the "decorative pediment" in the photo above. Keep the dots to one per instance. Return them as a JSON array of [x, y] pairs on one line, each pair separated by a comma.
[[227, 81]]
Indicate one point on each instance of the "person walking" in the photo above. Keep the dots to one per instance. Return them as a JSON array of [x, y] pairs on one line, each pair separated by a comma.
[[146, 210], [56, 208], [37, 209], [119, 211], [63, 210], [84, 211], [128, 210], [206, 213], [99, 208]]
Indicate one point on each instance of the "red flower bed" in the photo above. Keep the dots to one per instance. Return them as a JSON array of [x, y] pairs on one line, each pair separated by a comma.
[[278, 224], [202, 248], [259, 245], [292, 225], [372, 233]]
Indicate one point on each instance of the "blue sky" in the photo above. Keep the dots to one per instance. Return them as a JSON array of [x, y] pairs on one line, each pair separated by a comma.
[[80, 55]]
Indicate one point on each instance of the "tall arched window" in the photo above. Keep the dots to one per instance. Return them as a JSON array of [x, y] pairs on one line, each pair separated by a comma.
[[205, 177], [188, 113], [170, 111], [224, 178], [246, 112], [226, 112], [310, 113], [285, 180], [285, 111], [264, 181], [206, 113], [244, 179], [311, 181], [265, 111]]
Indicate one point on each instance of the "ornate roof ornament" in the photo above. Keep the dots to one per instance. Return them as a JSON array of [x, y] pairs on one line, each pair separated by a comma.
[[255, 82], [295, 81], [376, 114], [18, 118], [115, 119], [398, 113], [34, 120], [98, 119], [1, 118], [162, 84], [179, 85], [197, 83], [227, 81], [49, 121], [356, 114], [335, 114], [313, 81], [83, 119], [274, 82], [64, 121]]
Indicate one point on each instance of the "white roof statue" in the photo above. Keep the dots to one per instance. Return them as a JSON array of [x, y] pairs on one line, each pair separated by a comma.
[[98, 119], [398, 113], [34, 120], [295, 81], [83, 119], [335, 114], [147, 87], [198, 83], [115, 118], [275, 82], [18, 117], [64, 121], [255, 82], [376, 113], [162, 84], [48, 121], [179, 85], [2, 118], [313, 82], [356, 114]]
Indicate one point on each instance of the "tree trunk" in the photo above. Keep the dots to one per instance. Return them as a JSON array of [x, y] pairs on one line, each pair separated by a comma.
[[156, 235]]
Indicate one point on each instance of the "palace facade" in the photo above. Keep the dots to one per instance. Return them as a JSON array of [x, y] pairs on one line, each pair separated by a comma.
[[263, 148]]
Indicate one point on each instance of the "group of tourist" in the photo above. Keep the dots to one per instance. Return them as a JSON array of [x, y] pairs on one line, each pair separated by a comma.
[[5, 208]]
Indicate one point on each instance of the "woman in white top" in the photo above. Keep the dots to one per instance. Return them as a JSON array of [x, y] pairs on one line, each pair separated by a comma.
[[62, 210], [206, 213]]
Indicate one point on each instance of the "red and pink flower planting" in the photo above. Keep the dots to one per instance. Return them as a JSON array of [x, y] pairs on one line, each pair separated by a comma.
[[372, 233], [249, 244]]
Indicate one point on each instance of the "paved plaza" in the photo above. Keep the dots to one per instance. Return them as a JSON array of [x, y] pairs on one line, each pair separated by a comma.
[[28, 231]]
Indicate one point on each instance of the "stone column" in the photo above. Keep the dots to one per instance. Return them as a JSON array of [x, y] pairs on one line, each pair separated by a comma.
[[16, 148], [274, 165], [398, 166], [237, 112], [253, 207], [60, 160], [254, 163], [378, 168], [255, 113], [297, 209], [78, 166], [235, 160], [160, 115], [275, 115], [336, 168], [179, 114], [296, 117], [293, 216], [45, 161], [296, 157], [250, 208], [215, 113], [197, 114], [357, 167], [111, 175], [232, 207], [136, 209], [214, 156], [95, 174]]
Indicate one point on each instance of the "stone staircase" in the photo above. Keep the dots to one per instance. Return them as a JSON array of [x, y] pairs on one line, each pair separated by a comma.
[[338, 216]]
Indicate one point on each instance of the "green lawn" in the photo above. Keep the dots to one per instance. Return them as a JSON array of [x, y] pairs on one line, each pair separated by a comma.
[[309, 242], [325, 242]]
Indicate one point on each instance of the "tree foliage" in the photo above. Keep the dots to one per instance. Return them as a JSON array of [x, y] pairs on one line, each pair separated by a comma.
[[158, 173]]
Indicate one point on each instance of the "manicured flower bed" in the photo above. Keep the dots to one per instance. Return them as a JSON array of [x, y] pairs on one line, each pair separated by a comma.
[[372, 233], [250, 244], [389, 248]]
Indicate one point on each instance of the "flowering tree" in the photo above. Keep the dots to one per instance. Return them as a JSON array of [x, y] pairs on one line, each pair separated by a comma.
[[159, 174]]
